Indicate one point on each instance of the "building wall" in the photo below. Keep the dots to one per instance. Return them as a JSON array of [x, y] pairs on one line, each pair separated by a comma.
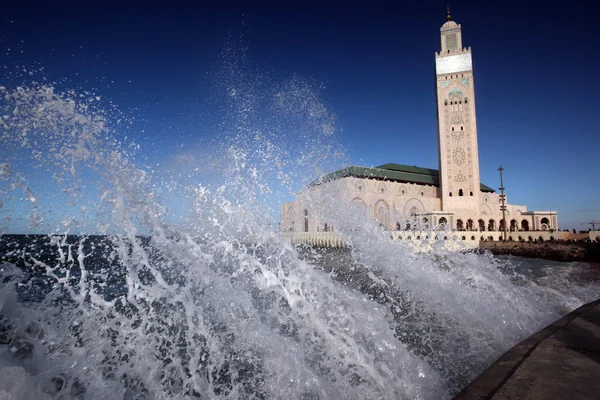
[[394, 204], [388, 203]]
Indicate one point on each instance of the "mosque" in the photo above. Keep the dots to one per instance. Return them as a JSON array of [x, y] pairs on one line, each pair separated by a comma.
[[401, 197]]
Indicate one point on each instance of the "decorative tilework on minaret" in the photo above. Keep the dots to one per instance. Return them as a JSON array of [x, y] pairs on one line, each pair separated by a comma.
[[457, 128]]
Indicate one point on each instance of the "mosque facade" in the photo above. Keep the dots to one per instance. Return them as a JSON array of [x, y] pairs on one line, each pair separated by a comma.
[[401, 197]]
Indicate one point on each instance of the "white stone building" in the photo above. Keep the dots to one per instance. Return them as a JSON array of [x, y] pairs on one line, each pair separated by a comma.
[[399, 196]]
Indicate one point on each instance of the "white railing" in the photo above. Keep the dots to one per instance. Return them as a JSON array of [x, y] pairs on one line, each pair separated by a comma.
[[517, 236], [319, 239], [426, 239], [417, 240]]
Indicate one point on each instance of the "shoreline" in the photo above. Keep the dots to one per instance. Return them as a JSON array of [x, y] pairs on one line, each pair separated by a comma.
[[554, 251]]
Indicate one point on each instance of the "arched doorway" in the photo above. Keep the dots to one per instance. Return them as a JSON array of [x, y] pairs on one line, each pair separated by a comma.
[[443, 221], [525, 225], [491, 225], [459, 225], [412, 207], [545, 224], [481, 225], [382, 214], [502, 224], [470, 225], [513, 225]]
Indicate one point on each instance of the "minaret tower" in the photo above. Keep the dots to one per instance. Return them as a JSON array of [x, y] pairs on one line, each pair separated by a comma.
[[457, 127]]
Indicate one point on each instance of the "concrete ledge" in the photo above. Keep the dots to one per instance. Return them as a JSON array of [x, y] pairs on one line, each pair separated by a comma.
[[539, 368]]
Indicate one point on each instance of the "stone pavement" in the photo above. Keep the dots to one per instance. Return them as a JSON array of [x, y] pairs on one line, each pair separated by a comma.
[[562, 361]]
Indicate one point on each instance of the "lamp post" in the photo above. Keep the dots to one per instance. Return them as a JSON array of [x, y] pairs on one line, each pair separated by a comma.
[[503, 199]]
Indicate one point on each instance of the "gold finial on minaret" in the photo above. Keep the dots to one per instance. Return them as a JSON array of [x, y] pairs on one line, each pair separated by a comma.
[[448, 17]]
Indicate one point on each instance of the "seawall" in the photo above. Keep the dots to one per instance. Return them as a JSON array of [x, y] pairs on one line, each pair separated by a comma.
[[562, 361], [556, 251]]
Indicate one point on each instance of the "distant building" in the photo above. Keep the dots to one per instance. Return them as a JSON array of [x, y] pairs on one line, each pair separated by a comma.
[[399, 196]]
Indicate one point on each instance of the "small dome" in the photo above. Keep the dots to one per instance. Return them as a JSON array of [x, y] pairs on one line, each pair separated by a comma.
[[450, 25]]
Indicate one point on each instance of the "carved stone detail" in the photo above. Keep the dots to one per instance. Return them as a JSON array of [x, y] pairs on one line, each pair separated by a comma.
[[459, 156]]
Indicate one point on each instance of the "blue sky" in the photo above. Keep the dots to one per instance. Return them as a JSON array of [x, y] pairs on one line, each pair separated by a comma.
[[534, 67]]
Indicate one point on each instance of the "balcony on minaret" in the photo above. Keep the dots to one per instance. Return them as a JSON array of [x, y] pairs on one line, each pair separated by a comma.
[[464, 50]]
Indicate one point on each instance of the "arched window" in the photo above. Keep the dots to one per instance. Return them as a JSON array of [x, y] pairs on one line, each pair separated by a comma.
[[382, 214], [470, 193], [445, 102], [403, 192], [422, 194], [326, 228], [459, 225], [461, 128], [466, 100], [452, 129], [450, 194], [360, 188], [460, 192]]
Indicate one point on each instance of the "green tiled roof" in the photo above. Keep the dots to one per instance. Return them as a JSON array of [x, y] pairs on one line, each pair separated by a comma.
[[392, 172]]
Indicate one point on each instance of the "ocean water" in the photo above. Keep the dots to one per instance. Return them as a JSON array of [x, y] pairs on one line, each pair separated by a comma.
[[114, 298], [78, 322]]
